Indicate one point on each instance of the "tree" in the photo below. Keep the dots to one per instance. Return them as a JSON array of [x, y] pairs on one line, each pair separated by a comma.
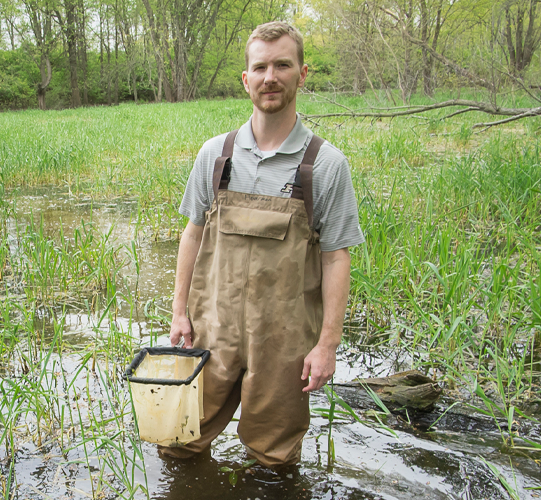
[[41, 21], [82, 47], [231, 27], [522, 33], [127, 15], [431, 24], [8, 14], [67, 19], [180, 32]]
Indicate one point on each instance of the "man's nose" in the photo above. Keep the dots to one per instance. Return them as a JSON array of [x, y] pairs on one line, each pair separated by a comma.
[[270, 75]]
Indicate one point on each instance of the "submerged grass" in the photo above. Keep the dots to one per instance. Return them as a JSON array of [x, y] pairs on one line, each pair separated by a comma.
[[450, 272]]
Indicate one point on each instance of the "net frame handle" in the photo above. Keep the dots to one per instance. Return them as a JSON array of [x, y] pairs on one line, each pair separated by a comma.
[[162, 351]]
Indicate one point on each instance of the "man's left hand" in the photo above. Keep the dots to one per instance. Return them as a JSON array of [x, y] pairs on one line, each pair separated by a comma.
[[320, 364]]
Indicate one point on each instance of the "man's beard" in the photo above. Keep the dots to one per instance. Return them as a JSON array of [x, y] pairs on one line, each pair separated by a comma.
[[273, 105]]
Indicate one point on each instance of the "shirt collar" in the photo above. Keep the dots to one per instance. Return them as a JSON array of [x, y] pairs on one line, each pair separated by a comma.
[[294, 142]]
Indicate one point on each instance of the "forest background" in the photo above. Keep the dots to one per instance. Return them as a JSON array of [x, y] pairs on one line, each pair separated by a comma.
[[56, 54]]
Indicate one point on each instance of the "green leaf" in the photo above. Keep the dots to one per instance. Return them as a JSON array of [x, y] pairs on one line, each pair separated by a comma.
[[233, 478], [249, 463], [226, 469], [512, 492]]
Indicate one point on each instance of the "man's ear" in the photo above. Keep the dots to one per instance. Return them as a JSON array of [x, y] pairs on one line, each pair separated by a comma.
[[304, 73], [245, 81]]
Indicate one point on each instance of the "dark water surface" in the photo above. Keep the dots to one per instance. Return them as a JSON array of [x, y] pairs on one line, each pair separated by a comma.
[[370, 462]]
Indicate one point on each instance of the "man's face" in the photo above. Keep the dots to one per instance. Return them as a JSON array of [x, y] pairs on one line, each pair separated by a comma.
[[274, 74]]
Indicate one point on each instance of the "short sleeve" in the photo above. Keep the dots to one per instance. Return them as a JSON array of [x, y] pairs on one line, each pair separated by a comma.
[[199, 195], [339, 218], [195, 201]]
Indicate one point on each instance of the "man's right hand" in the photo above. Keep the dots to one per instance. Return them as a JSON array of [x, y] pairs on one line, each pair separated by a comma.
[[181, 327]]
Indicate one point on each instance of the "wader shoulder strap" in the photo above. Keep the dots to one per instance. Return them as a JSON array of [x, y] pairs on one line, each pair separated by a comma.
[[302, 188], [222, 165]]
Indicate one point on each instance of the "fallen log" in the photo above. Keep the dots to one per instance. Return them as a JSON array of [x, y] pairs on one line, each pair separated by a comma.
[[410, 389], [418, 400]]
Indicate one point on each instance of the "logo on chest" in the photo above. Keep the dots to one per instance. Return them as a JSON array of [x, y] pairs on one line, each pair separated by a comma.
[[288, 188]]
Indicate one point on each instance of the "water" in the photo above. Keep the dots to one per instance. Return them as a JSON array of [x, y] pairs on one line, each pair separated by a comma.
[[397, 458]]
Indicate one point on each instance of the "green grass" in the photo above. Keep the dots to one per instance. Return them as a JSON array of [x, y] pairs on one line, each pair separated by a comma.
[[450, 272]]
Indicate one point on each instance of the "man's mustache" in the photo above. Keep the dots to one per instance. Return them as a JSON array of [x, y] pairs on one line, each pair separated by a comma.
[[273, 88]]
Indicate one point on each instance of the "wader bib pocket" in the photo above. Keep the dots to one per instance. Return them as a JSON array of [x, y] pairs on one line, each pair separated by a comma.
[[253, 222]]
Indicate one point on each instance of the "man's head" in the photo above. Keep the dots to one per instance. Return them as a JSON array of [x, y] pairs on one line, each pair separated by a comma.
[[269, 32], [274, 67]]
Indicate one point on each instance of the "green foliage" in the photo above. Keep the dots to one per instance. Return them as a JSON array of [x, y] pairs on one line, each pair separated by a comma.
[[322, 65], [234, 473], [18, 75]]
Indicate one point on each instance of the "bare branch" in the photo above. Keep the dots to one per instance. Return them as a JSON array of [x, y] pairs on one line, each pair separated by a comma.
[[483, 107], [441, 58], [467, 105], [530, 112], [325, 98], [451, 64], [459, 112]]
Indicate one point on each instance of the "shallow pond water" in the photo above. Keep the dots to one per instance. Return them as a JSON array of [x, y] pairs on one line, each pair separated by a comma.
[[397, 458], [370, 464]]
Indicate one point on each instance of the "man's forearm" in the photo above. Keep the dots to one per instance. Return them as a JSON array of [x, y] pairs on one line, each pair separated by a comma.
[[187, 254], [321, 361], [335, 291]]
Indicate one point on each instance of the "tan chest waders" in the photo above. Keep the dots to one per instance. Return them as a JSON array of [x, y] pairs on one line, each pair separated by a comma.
[[255, 303]]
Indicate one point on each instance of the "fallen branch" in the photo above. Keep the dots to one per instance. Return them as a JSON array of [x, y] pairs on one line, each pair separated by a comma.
[[530, 112], [467, 105]]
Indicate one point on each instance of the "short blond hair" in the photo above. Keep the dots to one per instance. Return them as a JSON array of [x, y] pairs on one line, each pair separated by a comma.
[[274, 30]]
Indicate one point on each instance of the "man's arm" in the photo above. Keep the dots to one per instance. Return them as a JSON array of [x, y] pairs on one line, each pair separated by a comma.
[[187, 253], [321, 361]]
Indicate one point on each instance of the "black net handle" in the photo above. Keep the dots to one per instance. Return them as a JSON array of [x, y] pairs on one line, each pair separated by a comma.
[[164, 351]]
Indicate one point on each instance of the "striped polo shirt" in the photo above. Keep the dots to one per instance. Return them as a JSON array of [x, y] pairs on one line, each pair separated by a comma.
[[272, 174]]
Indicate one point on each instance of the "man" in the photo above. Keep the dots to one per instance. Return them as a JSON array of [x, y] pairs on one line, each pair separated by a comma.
[[263, 264]]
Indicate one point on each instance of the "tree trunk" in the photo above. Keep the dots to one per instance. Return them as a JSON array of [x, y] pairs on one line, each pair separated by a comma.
[[160, 81], [409, 80], [521, 45], [108, 50], [180, 35], [427, 60], [155, 39], [71, 40], [435, 39], [11, 31], [46, 75], [359, 77], [82, 50], [533, 36], [134, 76], [116, 62], [101, 44], [41, 24], [234, 32]]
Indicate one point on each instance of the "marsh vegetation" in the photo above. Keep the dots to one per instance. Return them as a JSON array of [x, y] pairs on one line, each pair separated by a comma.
[[449, 283]]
